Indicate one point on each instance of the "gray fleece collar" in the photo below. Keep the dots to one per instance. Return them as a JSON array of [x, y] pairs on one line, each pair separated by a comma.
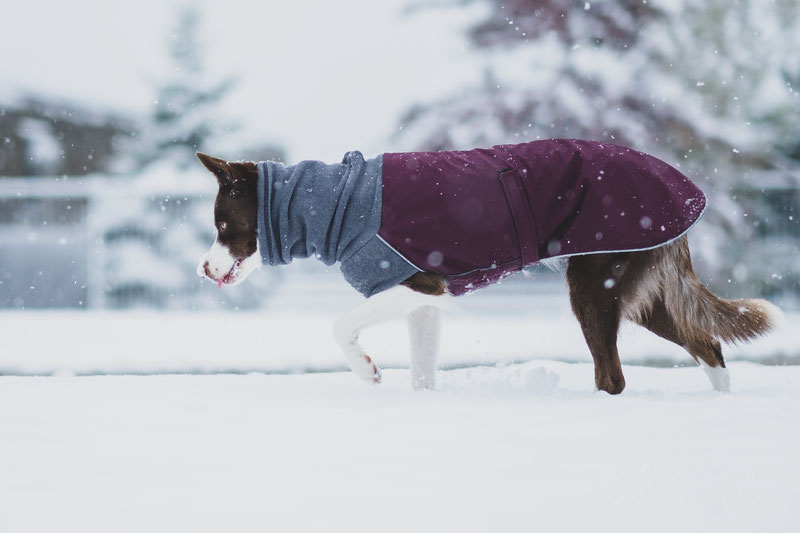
[[332, 212]]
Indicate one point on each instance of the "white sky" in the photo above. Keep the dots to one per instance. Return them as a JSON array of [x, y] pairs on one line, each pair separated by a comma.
[[319, 77]]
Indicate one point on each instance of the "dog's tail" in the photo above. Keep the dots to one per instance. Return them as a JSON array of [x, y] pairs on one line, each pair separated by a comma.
[[696, 311], [728, 320]]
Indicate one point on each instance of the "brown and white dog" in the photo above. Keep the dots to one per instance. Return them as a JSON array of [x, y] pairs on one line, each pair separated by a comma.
[[655, 288]]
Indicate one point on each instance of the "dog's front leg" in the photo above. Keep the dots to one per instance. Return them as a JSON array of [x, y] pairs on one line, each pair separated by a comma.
[[391, 303], [346, 329], [424, 324]]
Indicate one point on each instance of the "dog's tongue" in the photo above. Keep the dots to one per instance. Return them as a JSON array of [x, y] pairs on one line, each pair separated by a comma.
[[229, 276]]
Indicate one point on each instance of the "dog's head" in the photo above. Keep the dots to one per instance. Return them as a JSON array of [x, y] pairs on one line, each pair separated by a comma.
[[234, 254]]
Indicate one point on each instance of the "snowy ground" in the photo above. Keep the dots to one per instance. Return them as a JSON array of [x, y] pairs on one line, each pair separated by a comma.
[[507, 323], [515, 439], [495, 449]]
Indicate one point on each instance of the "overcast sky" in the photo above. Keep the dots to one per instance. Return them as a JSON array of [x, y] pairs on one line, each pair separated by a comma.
[[319, 77]]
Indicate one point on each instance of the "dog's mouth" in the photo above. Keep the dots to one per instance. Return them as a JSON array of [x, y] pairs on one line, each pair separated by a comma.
[[219, 266], [231, 276]]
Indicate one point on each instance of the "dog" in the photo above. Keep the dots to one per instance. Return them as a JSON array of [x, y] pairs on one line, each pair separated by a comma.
[[411, 230]]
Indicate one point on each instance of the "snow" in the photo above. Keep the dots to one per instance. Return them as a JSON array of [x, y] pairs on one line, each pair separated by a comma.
[[295, 335], [279, 436], [492, 450], [39, 134]]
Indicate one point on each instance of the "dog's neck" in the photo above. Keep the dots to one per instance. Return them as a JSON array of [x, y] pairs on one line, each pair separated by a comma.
[[332, 212], [313, 208]]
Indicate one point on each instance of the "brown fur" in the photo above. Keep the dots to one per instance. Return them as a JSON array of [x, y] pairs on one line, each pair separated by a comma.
[[426, 283], [235, 208], [656, 289]]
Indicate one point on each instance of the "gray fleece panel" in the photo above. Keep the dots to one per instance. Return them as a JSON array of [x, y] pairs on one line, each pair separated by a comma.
[[332, 212]]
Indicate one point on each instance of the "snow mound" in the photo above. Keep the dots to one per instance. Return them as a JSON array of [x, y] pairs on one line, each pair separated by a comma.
[[526, 379]]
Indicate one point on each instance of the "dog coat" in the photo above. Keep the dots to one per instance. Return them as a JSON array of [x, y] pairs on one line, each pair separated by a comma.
[[472, 216]]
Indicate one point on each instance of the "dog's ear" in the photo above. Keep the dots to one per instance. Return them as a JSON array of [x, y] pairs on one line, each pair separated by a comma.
[[219, 167]]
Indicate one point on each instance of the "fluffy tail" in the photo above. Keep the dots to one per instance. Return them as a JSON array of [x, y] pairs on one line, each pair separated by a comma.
[[730, 320], [695, 310]]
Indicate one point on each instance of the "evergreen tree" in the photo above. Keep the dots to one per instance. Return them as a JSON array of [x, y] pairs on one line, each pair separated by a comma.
[[154, 233], [182, 119]]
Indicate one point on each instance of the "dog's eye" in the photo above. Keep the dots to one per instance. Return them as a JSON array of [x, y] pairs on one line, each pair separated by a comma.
[[223, 225]]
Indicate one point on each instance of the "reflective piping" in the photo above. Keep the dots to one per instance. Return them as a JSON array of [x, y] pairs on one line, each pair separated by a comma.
[[669, 241], [392, 248]]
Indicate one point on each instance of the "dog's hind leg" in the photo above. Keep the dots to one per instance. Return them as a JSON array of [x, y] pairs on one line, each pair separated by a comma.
[[666, 298], [391, 303], [424, 324], [595, 302], [704, 348]]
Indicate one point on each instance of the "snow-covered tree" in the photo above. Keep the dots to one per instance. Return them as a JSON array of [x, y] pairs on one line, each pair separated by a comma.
[[183, 116], [701, 83], [153, 235]]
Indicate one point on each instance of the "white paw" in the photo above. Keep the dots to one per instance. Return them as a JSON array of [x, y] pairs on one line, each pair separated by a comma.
[[366, 369], [719, 377]]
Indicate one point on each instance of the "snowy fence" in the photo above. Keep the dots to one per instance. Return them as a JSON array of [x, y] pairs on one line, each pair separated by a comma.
[[43, 241]]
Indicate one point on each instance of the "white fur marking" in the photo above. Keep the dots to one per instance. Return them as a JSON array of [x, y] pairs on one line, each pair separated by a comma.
[[221, 263], [424, 326], [250, 264], [719, 377], [775, 316], [391, 303]]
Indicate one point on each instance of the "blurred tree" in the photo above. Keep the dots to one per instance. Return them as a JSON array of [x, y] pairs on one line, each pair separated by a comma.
[[792, 146], [153, 236], [183, 118], [700, 83]]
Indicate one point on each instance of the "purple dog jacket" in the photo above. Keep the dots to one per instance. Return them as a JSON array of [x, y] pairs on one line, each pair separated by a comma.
[[476, 216]]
